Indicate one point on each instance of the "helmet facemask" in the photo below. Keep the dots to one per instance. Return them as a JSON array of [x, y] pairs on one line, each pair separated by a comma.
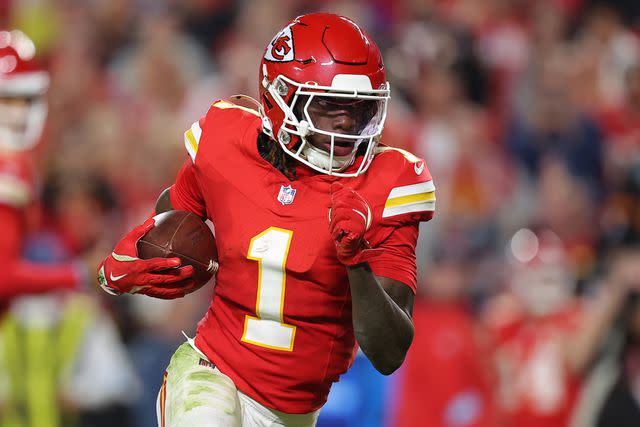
[[310, 131]]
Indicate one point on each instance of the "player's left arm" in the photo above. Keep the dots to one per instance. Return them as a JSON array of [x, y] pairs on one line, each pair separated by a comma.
[[382, 310], [383, 277]]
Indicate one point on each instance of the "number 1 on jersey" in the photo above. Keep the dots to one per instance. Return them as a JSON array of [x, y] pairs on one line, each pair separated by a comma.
[[270, 248]]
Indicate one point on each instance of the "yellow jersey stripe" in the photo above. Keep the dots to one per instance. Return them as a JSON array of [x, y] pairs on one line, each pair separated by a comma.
[[191, 144], [408, 190], [414, 198], [224, 105], [192, 140]]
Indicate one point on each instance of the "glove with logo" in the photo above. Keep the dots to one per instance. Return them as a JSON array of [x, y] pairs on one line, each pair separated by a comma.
[[349, 219], [123, 272]]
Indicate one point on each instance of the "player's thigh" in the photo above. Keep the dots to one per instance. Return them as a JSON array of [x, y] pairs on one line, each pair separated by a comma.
[[195, 395]]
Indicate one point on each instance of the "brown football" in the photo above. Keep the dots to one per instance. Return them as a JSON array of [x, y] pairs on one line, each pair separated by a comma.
[[183, 235]]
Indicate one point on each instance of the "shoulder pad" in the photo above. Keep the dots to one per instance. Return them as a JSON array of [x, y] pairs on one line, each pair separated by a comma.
[[221, 113], [412, 197]]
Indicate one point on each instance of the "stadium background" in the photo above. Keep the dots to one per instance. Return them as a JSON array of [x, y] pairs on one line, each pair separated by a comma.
[[527, 112]]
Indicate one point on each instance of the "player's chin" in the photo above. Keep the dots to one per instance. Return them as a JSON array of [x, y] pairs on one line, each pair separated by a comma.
[[341, 146]]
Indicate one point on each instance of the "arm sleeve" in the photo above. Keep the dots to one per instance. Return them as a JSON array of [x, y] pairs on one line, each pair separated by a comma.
[[17, 276], [412, 198], [397, 257], [185, 193]]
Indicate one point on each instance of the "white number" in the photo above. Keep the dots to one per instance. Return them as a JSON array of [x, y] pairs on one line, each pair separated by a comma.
[[270, 248]]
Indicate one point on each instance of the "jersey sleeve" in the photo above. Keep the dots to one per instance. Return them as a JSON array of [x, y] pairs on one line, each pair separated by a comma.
[[185, 193], [224, 116], [192, 137], [412, 197], [398, 209], [396, 258]]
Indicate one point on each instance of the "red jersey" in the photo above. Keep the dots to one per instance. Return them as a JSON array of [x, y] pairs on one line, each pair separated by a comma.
[[280, 322], [537, 388]]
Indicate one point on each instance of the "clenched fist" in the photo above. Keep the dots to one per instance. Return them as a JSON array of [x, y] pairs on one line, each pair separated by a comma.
[[349, 219]]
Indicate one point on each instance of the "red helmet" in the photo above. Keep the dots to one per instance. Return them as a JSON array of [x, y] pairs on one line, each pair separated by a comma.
[[322, 55], [22, 88]]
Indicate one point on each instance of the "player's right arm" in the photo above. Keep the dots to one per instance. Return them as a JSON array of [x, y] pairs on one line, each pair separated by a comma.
[[184, 194], [163, 204], [124, 272]]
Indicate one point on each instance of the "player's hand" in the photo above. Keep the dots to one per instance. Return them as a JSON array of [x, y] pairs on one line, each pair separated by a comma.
[[172, 290], [349, 219], [123, 272]]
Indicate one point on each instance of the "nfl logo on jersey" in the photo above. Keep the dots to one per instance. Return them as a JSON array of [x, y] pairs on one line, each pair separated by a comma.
[[286, 195]]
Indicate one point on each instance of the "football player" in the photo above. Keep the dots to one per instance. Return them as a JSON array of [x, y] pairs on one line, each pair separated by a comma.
[[316, 225], [22, 113]]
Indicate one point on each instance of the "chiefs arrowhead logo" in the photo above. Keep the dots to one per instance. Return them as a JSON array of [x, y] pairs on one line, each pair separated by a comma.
[[281, 47]]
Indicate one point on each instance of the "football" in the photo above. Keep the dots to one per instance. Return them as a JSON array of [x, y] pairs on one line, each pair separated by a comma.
[[183, 235]]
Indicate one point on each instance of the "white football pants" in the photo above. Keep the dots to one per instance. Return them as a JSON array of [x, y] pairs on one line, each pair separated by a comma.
[[195, 394]]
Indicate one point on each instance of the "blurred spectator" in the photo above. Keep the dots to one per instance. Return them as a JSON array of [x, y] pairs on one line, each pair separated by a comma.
[[555, 128], [566, 206], [546, 337], [621, 125], [619, 221], [447, 378], [622, 404], [65, 364], [532, 324], [611, 393], [611, 48], [208, 21], [62, 354]]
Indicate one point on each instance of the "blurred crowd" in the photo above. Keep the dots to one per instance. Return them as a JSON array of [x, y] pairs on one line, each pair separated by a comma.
[[528, 115]]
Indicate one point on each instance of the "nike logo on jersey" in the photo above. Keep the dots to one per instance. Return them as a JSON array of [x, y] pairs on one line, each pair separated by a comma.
[[115, 278], [418, 167]]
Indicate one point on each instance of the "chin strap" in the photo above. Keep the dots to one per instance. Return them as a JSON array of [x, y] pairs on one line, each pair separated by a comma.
[[321, 159]]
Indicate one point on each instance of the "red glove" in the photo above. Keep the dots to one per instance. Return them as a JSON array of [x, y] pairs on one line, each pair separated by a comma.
[[123, 272], [349, 219]]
